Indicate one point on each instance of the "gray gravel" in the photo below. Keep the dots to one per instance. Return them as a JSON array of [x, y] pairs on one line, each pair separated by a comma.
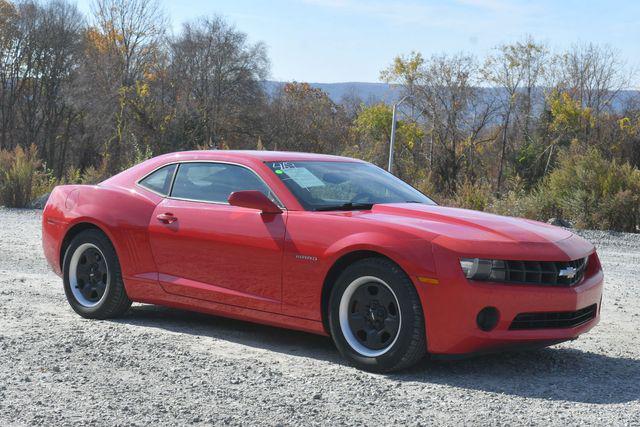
[[164, 366]]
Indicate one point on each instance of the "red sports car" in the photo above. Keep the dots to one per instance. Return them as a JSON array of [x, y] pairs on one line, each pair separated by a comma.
[[324, 244]]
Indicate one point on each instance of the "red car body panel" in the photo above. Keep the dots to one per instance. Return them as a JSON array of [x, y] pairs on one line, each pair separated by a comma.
[[220, 253], [272, 268]]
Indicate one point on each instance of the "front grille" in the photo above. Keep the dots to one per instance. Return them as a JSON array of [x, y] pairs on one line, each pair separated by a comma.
[[550, 320], [552, 273]]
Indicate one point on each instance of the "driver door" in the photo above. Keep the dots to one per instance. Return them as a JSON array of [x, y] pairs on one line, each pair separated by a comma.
[[207, 249]]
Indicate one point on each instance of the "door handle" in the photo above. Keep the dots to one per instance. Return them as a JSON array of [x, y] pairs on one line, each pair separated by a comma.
[[167, 218]]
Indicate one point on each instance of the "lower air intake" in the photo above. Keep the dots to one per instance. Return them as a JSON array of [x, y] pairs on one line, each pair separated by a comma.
[[554, 320]]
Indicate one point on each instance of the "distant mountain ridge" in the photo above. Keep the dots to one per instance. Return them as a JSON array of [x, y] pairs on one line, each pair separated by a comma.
[[368, 92], [371, 93]]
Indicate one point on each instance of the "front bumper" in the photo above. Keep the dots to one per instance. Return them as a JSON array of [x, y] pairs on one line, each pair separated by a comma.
[[451, 308]]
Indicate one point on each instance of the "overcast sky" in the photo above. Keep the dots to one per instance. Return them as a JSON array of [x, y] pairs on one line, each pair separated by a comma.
[[352, 40]]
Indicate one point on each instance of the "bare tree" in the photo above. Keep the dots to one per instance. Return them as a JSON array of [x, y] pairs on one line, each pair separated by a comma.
[[133, 31], [38, 53], [457, 114], [121, 47], [57, 42], [12, 70], [515, 71], [218, 77], [304, 118], [594, 76]]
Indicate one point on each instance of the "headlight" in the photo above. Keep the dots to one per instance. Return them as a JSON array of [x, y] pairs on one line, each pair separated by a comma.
[[483, 269]]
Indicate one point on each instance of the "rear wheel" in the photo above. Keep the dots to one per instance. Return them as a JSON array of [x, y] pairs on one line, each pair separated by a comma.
[[92, 277], [376, 318]]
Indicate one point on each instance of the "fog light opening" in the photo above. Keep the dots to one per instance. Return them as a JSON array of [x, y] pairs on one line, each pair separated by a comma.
[[487, 318]]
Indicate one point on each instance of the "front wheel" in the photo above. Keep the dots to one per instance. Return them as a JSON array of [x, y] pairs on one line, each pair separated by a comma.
[[92, 278], [376, 318]]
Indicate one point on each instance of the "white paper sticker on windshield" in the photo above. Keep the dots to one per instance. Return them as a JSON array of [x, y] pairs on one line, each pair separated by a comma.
[[284, 165], [303, 177]]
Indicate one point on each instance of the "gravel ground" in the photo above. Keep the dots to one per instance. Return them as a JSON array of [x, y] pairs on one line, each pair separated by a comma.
[[165, 366]]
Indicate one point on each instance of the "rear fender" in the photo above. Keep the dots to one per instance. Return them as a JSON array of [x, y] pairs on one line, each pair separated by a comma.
[[55, 223], [122, 214]]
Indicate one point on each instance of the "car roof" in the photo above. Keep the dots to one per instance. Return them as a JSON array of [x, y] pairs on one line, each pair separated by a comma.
[[260, 155], [130, 176]]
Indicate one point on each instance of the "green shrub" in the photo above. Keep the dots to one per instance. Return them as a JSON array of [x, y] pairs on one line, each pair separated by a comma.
[[73, 175], [586, 189], [621, 211], [594, 192], [534, 204], [424, 183], [476, 196], [93, 175], [22, 177]]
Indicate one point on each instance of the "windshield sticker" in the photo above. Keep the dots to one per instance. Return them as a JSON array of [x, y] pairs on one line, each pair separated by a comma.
[[279, 171], [304, 178], [283, 165]]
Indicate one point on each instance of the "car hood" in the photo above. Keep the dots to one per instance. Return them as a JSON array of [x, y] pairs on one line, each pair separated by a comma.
[[472, 232], [466, 224]]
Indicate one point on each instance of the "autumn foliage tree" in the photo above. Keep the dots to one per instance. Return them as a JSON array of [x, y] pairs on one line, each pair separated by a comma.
[[122, 49], [303, 118]]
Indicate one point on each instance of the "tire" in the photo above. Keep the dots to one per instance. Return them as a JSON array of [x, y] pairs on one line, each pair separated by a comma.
[[92, 277], [375, 316]]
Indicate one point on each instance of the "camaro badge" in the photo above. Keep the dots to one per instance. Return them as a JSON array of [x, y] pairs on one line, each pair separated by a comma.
[[307, 257], [569, 272]]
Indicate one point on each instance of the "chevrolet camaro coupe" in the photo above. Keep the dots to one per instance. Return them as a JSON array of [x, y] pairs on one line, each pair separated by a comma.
[[324, 244]]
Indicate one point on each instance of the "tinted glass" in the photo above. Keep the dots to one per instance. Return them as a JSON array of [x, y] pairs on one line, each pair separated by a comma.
[[214, 182], [160, 180], [344, 185]]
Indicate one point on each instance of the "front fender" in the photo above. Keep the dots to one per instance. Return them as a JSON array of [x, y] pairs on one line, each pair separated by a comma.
[[414, 256], [315, 242]]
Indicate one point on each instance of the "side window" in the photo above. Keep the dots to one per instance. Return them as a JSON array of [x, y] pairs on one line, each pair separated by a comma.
[[160, 180], [214, 182]]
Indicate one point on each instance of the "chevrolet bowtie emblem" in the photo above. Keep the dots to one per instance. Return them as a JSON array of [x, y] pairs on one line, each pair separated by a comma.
[[568, 272]]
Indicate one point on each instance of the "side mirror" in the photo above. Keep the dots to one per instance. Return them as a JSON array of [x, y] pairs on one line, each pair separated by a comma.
[[253, 199]]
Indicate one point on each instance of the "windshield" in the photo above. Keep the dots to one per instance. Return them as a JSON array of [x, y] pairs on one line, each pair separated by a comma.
[[343, 185]]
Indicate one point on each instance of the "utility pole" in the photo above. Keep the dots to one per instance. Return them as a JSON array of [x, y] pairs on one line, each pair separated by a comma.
[[393, 132]]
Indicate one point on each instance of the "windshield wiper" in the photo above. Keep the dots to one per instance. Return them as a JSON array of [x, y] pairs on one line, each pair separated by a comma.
[[350, 206]]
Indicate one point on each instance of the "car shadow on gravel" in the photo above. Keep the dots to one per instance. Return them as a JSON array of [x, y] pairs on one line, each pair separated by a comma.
[[246, 333], [552, 373]]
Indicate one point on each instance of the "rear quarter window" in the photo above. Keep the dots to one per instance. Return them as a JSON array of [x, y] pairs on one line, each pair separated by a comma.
[[159, 181]]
